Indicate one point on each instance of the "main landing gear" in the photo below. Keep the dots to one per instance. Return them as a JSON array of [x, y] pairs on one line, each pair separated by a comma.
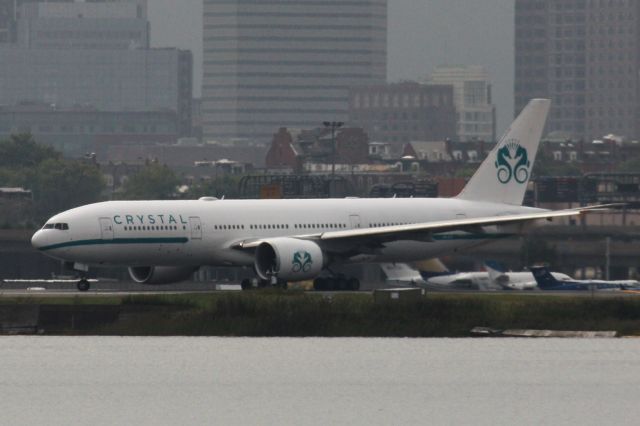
[[83, 285], [248, 283], [336, 283]]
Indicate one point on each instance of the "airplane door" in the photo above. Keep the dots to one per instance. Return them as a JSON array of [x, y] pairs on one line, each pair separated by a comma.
[[106, 228], [355, 221], [196, 228]]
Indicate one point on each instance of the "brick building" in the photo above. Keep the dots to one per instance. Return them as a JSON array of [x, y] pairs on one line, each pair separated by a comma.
[[402, 112], [290, 149]]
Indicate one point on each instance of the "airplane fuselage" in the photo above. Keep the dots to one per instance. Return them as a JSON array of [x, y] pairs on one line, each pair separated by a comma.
[[203, 232]]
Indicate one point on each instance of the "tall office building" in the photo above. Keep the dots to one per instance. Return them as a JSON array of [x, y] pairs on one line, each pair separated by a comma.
[[12, 10], [271, 64], [118, 24], [472, 99], [73, 67], [585, 56], [9, 13], [109, 80]]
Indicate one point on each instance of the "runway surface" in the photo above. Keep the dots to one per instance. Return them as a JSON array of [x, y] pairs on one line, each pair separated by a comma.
[[102, 290]]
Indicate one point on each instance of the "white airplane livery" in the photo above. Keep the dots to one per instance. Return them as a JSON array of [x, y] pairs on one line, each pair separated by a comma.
[[291, 240], [516, 280]]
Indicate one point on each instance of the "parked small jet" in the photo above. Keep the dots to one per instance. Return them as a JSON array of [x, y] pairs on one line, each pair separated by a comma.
[[414, 274], [516, 280], [494, 278], [401, 274], [546, 281]]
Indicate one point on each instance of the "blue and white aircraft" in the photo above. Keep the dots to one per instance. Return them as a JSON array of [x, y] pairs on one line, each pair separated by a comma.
[[546, 281], [294, 240]]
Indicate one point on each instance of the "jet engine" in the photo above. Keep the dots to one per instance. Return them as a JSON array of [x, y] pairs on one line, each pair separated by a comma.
[[156, 275], [289, 259]]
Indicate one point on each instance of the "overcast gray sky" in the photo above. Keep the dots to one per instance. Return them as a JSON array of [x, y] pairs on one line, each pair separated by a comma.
[[422, 35]]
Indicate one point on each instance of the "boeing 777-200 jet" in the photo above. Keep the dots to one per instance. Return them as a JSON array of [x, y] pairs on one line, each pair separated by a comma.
[[291, 240]]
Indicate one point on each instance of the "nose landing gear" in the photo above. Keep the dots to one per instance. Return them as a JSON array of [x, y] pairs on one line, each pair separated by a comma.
[[83, 285]]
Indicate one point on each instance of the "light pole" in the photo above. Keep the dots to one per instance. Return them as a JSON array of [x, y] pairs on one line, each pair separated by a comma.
[[333, 125]]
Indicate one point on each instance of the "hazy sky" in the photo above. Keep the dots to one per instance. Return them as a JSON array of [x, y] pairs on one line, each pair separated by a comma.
[[422, 34]]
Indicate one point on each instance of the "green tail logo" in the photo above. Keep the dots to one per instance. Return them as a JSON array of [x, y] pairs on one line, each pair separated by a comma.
[[301, 261], [512, 162]]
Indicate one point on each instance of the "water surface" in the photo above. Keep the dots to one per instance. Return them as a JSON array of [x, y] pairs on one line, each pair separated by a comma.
[[158, 381]]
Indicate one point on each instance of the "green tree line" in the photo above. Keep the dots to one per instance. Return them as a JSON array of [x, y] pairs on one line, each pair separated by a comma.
[[59, 184], [56, 183]]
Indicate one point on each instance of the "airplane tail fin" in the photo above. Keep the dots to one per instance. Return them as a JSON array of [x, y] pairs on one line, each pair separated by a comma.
[[431, 268], [543, 277], [496, 272], [503, 175]]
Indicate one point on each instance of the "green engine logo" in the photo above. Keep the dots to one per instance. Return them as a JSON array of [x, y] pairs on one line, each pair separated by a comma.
[[512, 162], [301, 261]]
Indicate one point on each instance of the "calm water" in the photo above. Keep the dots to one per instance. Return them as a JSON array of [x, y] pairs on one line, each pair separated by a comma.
[[87, 380]]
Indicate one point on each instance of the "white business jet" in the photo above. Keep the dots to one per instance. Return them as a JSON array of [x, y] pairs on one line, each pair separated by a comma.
[[292, 240]]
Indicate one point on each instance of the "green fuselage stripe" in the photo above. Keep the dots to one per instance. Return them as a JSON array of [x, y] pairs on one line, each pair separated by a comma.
[[117, 241], [470, 237], [184, 240]]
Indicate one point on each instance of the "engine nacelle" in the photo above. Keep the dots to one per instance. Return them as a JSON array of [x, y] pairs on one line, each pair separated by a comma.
[[289, 259], [157, 275]]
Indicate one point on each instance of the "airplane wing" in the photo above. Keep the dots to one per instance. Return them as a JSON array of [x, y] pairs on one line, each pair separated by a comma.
[[424, 231]]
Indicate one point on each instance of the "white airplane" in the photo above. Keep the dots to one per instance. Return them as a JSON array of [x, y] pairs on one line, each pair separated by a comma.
[[401, 274], [294, 240], [550, 282], [494, 278], [461, 281], [517, 280]]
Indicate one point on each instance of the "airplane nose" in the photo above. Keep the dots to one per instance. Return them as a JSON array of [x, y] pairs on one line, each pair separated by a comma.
[[37, 240]]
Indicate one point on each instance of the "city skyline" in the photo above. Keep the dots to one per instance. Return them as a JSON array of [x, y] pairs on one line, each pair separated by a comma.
[[421, 36]]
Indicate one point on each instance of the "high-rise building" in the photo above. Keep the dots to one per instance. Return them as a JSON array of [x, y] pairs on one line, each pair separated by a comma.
[[9, 13], [12, 10], [271, 64], [120, 24], [109, 80], [584, 55], [472, 99], [92, 55]]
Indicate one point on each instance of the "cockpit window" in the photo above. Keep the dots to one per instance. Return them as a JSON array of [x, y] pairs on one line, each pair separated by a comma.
[[58, 226]]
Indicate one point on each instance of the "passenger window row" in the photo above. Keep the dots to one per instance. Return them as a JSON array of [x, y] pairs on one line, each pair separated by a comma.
[[226, 227], [283, 226], [269, 226], [153, 228], [320, 226], [383, 224]]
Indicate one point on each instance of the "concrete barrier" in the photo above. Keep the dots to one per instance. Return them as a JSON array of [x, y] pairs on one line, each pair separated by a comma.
[[492, 332]]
